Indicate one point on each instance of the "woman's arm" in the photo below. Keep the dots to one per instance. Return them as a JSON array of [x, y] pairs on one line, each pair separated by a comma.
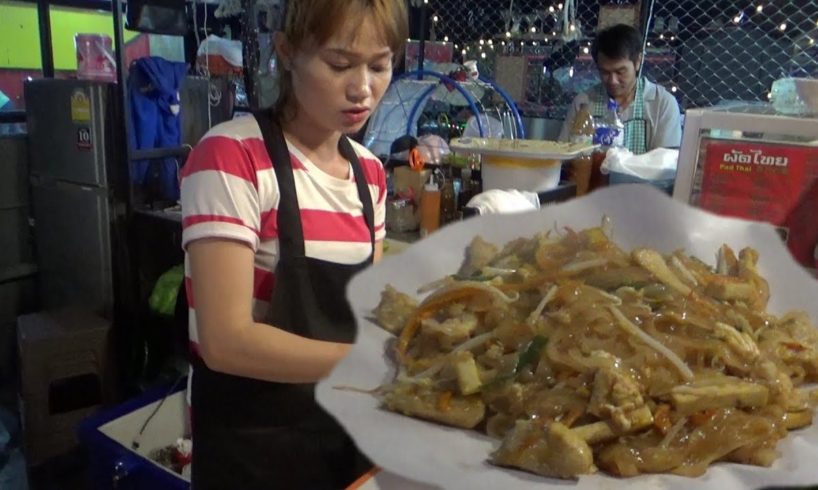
[[230, 341], [377, 255]]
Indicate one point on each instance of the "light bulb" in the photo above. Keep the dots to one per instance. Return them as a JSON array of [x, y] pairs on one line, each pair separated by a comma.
[[483, 55], [759, 8], [533, 29], [783, 26], [508, 34], [446, 38], [482, 42]]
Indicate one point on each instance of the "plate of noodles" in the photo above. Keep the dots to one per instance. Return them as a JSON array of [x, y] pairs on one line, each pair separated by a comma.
[[619, 339]]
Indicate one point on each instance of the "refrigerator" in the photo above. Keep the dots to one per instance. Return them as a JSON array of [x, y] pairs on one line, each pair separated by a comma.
[[79, 189], [754, 162]]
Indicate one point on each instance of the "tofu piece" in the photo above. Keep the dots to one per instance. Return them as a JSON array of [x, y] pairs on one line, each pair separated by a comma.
[[797, 420], [394, 309], [479, 254], [690, 399], [452, 331], [653, 262], [727, 288], [554, 451], [606, 430], [424, 403], [615, 393], [468, 376]]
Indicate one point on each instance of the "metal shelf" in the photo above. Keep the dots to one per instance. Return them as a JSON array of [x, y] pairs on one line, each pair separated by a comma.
[[157, 153]]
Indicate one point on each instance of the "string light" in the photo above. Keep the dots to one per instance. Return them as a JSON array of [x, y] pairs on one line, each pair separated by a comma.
[[737, 19], [551, 9], [482, 42], [456, 46], [446, 38], [483, 55], [783, 26], [648, 44], [673, 89], [503, 43], [586, 50], [435, 19], [491, 43], [559, 6], [533, 29], [463, 52], [508, 34], [661, 36], [759, 8], [811, 41]]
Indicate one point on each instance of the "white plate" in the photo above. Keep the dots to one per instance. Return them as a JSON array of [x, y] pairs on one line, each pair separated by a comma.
[[456, 459]]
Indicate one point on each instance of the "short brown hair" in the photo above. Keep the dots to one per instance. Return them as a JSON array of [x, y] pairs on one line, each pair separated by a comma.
[[619, 42], [317, 21]]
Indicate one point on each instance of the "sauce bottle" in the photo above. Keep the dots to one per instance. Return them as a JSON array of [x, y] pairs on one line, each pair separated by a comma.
[[429, 208]]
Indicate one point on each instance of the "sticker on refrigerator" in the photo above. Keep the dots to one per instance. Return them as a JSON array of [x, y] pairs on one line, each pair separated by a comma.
[[80, 106], [84, 138]]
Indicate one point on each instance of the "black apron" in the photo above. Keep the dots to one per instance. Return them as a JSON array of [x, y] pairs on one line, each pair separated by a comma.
[[250, 434]]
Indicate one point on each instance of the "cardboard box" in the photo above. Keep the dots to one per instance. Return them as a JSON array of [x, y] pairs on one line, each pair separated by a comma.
[[66, 374], [410, 182]]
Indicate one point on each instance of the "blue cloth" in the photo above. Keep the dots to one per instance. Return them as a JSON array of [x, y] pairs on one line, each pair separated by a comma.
[[153, 88], [13, 470]]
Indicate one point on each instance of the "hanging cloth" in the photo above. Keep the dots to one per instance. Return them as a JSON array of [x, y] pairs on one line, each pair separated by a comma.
[[153, 95]]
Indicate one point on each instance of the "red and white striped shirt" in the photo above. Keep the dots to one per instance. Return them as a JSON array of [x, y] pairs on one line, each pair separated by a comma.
[[229, 190]]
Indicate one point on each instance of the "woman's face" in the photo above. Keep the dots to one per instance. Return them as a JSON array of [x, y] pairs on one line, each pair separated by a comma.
[[338, 85]]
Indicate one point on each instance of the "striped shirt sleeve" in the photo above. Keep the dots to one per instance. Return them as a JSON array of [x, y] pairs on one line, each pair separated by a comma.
[[376, 180], [220, 197]]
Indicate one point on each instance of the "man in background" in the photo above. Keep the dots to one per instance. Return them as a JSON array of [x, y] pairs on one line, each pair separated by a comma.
[[650, 113]]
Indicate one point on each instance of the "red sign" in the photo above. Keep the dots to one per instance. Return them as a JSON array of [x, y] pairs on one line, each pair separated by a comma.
[[775, 183]]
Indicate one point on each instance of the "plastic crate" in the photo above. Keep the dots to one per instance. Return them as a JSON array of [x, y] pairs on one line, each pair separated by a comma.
[[108, 437]]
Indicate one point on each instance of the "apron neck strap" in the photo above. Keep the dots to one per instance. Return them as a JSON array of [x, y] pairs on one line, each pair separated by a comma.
[[290, 230]]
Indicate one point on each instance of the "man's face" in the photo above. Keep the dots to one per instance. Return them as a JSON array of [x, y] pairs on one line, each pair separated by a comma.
[[618, 75]]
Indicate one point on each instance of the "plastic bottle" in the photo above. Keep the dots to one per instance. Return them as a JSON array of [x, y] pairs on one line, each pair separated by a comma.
[[608, 134], [582, 132]]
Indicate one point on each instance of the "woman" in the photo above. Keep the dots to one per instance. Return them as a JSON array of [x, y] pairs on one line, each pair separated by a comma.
[[280, 210]]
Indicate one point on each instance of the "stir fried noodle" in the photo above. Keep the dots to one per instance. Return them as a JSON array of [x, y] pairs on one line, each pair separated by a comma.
[[581, 357]]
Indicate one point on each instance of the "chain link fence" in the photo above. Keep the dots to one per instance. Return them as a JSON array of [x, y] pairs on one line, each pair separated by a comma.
[[721, 51], [705, 52]]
